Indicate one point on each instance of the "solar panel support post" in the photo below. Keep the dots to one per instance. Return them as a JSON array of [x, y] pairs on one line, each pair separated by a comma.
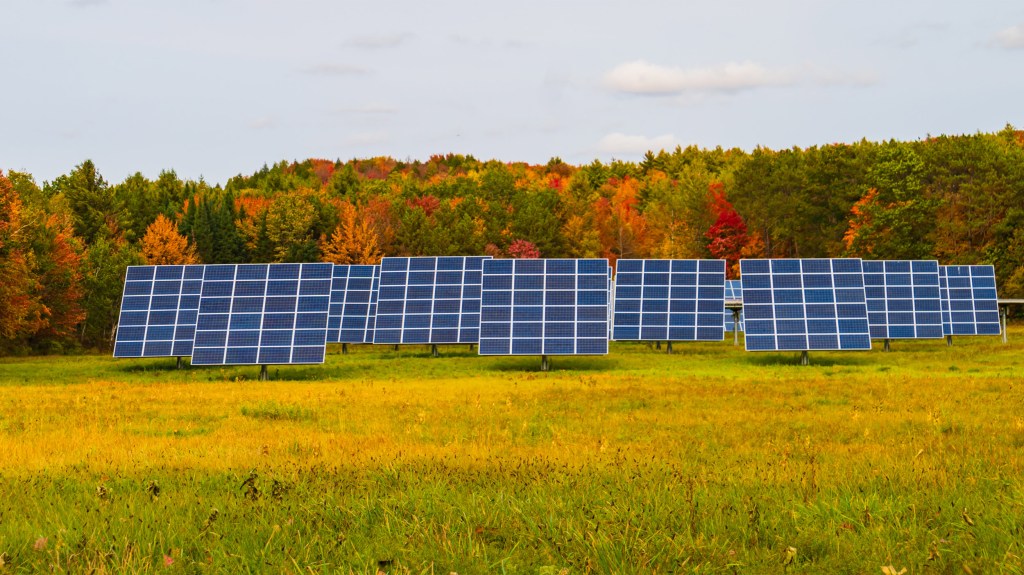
[[668, 347], [181, 364], [885, 346], [735, 327], [433, 351], [949, 341], [545, 365], [657, 345], [805, 358], [344, 349], [1003, 312], [264, 374]]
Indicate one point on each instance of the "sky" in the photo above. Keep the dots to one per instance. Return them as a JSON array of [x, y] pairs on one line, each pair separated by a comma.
[[216, 88]]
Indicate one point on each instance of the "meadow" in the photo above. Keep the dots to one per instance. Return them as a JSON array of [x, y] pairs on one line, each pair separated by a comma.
[[709, 460]]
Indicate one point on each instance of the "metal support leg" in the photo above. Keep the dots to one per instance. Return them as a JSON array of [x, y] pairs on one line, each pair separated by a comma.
[[804, 358], [433, 351], [1003, 312], [181, 364], [735, 327], [264, 374], [545, 365], [668, 347], [949, 341], [657, 345], [886, 346], [396, 347], [344, 349]]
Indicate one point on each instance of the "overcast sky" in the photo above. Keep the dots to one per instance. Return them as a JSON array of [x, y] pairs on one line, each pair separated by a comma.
[[214, 88]]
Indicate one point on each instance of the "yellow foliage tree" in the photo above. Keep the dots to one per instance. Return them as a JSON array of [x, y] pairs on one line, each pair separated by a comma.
[[163, 245], [354, 241]]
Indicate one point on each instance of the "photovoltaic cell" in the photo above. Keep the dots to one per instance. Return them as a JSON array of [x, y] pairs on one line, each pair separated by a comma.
[[970, 305], [158, 311], [252, 314], [669, 300], [733, 294], [352, 300], [903, 299], [431, 300], [544, 307], [804, 304]]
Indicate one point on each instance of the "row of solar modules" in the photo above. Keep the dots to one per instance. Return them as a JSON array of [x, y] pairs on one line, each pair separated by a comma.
[[285, 313]]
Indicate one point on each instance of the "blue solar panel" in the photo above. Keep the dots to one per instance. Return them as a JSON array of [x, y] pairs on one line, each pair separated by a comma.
[[970, 305], [804, 304], [352, 289], [544, 307], [670, 300], [158, 311], [903, 299], [733, 294], [251, 314], [432, 300]]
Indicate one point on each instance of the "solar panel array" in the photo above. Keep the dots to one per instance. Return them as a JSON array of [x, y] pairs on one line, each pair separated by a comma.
[[371, 316], [253, 314], [903, 299], [669, 300], [158, 311], [544, 307], [804, 304], [733, 293], [969, 302], [429, 300], [349, 319]]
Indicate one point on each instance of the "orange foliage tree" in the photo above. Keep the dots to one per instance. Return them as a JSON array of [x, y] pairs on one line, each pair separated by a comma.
[[354, 241], [163, 245], [14, 268]]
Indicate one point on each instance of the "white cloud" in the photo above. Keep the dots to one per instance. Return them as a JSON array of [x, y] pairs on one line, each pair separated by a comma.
[[262, 123], [367, 138], [642, 77], [334, 70], [379, 41], [87, 3], [1011, 38], [625, 144]]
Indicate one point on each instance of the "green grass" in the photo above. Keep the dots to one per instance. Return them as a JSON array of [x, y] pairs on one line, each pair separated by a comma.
[[711, 460]]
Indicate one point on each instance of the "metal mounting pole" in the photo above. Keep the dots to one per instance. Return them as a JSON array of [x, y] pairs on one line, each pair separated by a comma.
[[668, 347], [181, 364], [949, 341], [433, 351], [735, 327], [344, 349], [804, 358], [1003, 312], [886, 346], [264, 374], [545, 365], [396, 347], [657, 345]]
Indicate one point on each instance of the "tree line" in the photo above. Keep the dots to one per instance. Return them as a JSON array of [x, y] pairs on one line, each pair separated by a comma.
[[65, 244]]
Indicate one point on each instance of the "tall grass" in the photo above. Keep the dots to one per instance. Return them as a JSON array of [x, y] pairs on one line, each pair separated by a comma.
[[710, 460]]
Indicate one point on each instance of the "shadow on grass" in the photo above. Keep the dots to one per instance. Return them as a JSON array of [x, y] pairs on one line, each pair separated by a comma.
[[556, 363], [817, 359]]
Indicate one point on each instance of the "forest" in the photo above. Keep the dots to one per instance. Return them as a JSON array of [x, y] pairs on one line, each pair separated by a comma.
[[65, 244]]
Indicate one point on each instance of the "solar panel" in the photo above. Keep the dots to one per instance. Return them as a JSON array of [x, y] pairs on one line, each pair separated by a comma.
[[544, 307], [669, 300], [969, 302], [903, 299], [734, 295], [158, 311], [352, 288], [252, 314], [371, 316], [804, 304], [430, 300]]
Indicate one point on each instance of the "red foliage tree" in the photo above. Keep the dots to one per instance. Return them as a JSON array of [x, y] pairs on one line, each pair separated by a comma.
[[728, 235], [523, 249]]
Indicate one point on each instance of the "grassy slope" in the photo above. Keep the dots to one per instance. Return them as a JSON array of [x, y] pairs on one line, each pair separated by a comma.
[[710, 460]]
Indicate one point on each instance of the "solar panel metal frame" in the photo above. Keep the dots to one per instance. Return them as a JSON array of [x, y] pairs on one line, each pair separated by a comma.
[[903, 299], [371, 316], [669, 300], [263, 314], [429, 300], [544, 307], [159, 305], [782, 297], [352, 288], [970, 304], [733, 294]]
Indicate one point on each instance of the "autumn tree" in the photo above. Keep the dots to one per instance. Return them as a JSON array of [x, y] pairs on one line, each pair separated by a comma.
[[14, 266], [163, 245], [353, 241], [727, 237]]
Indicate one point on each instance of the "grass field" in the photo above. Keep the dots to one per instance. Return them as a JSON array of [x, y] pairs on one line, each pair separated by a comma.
[[711, 460]]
